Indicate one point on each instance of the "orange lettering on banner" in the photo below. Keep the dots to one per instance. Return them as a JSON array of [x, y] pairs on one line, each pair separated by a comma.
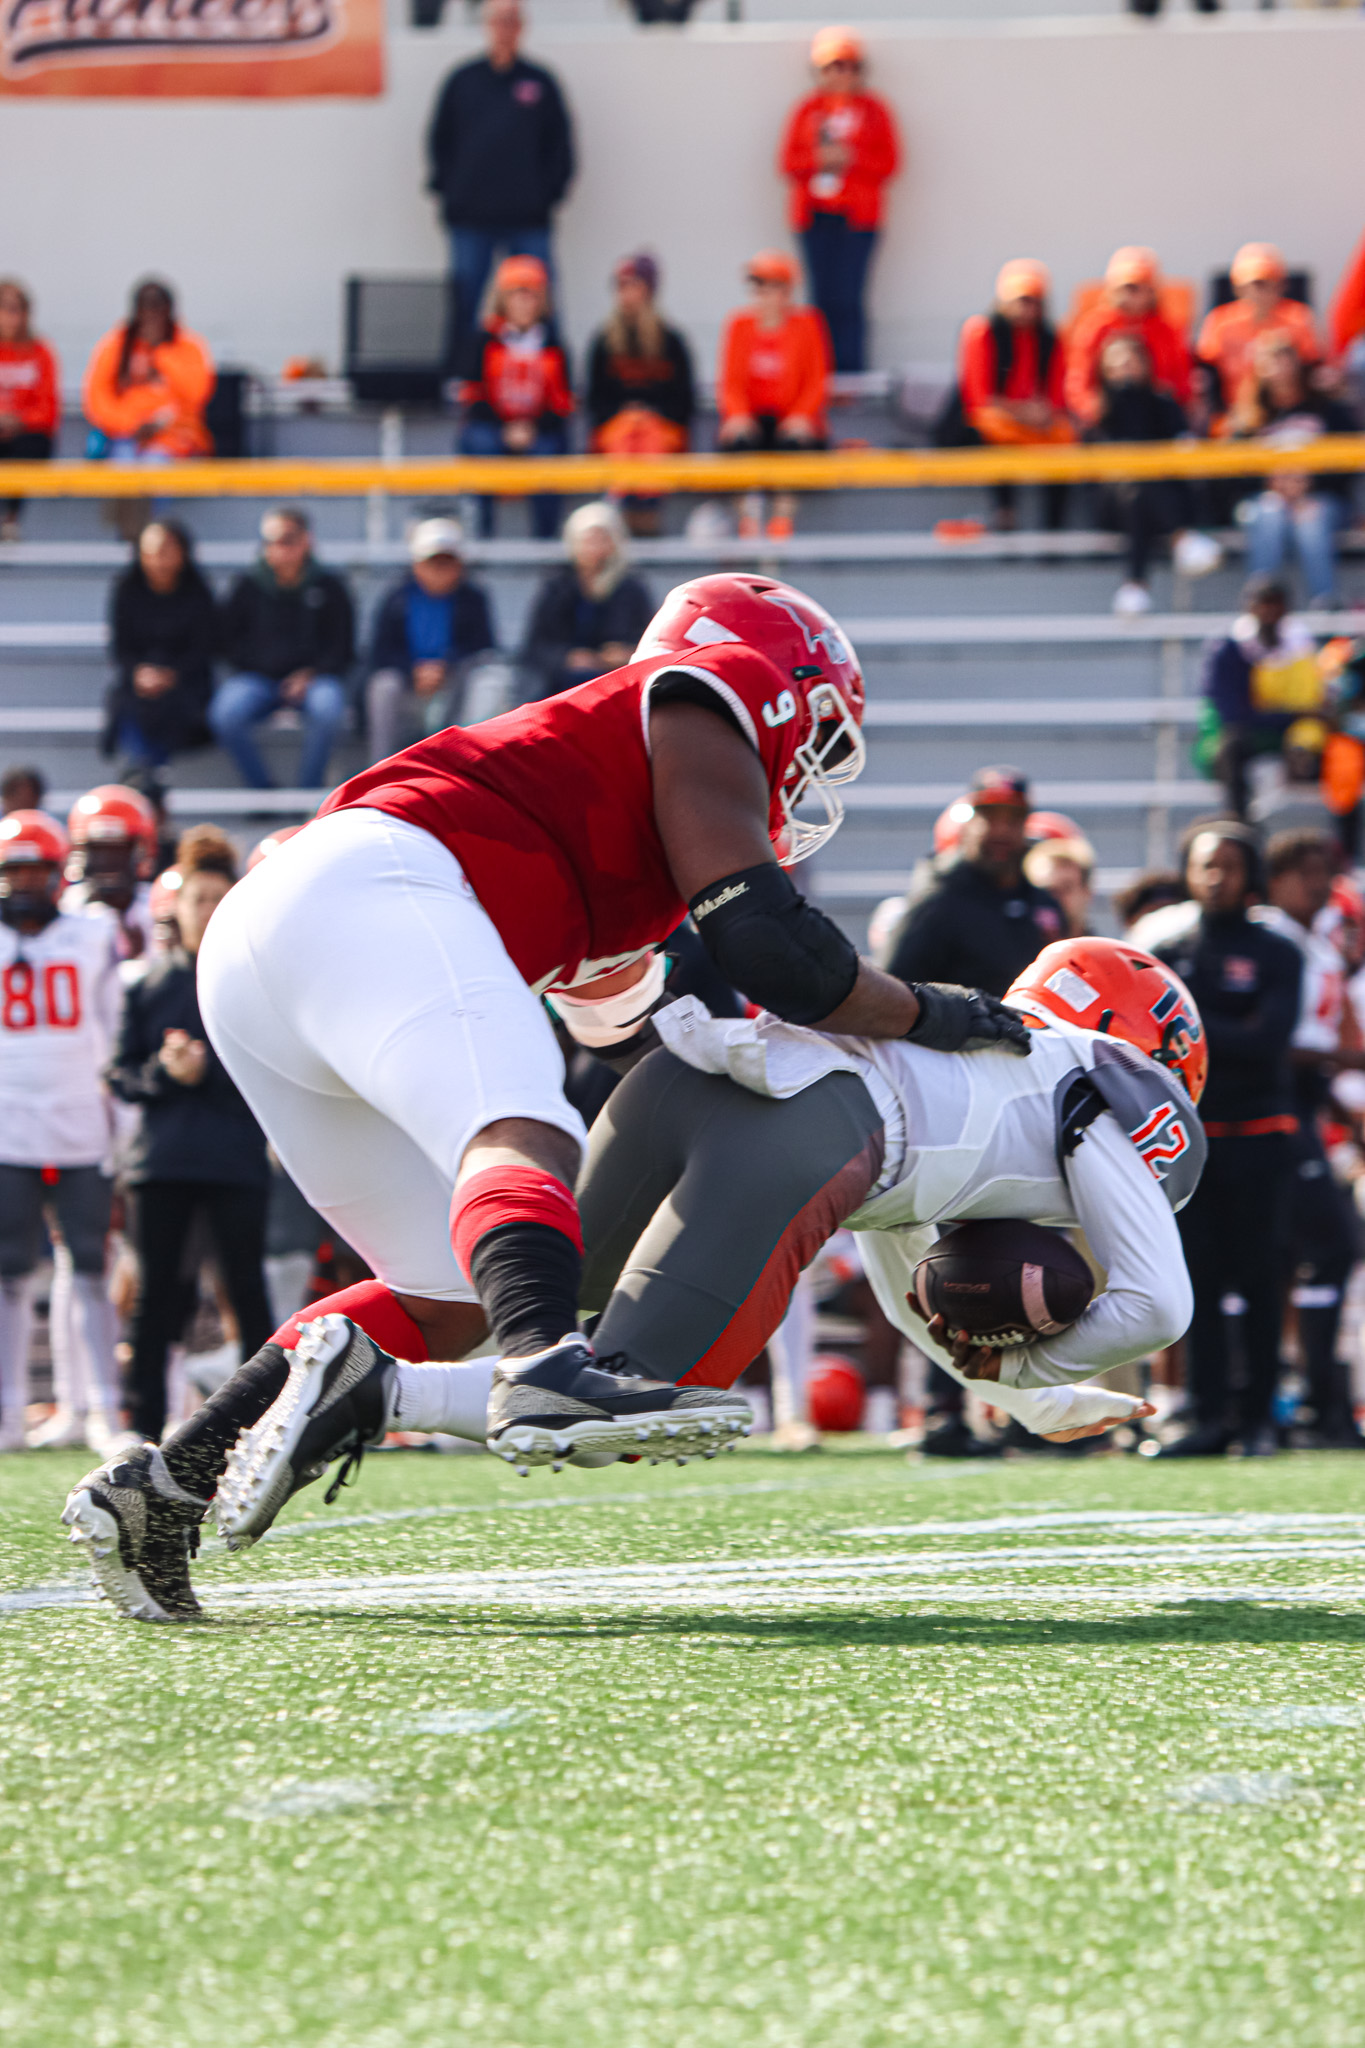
[[192, 49]]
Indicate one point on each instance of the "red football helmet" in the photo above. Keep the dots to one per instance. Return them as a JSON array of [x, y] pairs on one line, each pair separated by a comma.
[[30, 839], [1105, 985], [801, 639], [113, 837], [270, 844]]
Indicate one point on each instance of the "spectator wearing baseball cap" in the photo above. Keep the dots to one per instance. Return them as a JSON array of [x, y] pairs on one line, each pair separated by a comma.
[[978, 921], [500, 158], [516, 390], [775, 364], [641, 395], [839, 152], [1011, 382], [1230, 333], [1130, 305], [427, 626]]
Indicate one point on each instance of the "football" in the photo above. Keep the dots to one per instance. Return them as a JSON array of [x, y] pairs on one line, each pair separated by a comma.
[[1003, 1281]]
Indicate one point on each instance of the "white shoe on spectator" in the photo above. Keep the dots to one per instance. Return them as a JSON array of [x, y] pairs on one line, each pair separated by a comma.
[[63, 1431], [1132, 598], [708, 523], [1196, 554]]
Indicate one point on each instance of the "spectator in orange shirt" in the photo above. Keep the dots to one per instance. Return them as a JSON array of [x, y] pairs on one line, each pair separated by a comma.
[[516, 392], [1230, 332], [148, 384], [840, 149], [1011, 380], [775, 363], [1130, 306], [30, 393]]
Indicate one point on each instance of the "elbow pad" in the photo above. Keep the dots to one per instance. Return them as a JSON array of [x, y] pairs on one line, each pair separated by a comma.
[[775, 947]]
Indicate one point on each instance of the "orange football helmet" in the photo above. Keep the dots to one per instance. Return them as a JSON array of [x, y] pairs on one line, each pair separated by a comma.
[[801, 639], [112, 816], [30, 839], [1052, 825], [1105, 985]]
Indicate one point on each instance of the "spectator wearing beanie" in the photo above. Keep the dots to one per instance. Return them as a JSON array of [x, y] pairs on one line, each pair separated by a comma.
[[1130, 305], [840, 150], [775, 366], [500, 156], [1011, 381], [163, 627], [516, 391], [1230, 333], [588, 616], [426, 626], [1145, 512], [30, 393], [198, 1152], [148, 383], [641, 396], [289, 638]]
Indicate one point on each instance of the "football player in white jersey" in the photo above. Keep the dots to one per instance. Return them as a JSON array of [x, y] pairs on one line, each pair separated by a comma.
[[59, 1000], [715, 1173], [112, 858]]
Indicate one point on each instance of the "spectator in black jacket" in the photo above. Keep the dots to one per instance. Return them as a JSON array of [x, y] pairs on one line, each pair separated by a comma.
[[1246, 982], [641, 395], [163, 628], [500, 155], [289, 638], [1132, 408], [199, 1149], [425, 627], [980, 923], [588, 616]]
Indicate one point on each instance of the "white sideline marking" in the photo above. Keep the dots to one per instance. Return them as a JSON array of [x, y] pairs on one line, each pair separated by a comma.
[[456, 1721], [1291, 1716], [1244, 1788], [1159, 1521], [298, 1798]]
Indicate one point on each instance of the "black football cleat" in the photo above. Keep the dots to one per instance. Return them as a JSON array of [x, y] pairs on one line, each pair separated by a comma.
[[140, 1530], [334, 1404], [566, 1405]]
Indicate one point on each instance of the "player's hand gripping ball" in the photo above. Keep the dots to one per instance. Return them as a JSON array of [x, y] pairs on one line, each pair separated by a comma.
[[990, 1284]]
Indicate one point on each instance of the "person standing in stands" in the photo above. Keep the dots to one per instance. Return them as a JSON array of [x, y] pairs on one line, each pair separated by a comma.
[[1011, 384], [772, 389], [198, 1150], [30, 394], [289, 638], [1130, 305], [980, 922], [641, 396], [148, 383], [839, 152], [1246, 982], [500, 159]]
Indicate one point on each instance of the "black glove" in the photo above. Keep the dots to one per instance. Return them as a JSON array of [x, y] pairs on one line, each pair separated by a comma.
[[963, 1020]]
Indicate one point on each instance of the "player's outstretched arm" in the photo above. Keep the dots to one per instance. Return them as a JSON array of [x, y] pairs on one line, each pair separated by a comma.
[[711, 805]]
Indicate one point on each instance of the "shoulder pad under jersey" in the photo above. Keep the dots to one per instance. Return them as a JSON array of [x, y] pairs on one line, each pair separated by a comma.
[[1152, 1109]]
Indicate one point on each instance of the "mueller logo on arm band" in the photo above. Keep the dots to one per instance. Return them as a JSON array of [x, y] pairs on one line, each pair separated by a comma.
[[718, 902], [1162, 1138], [34, 33]]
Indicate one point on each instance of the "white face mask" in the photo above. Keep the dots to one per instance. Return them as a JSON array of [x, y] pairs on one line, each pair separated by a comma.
[[834, 754]]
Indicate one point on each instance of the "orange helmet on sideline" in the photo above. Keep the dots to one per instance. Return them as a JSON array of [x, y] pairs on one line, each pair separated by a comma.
[[1106, 985], [110, 813], [30, 839]]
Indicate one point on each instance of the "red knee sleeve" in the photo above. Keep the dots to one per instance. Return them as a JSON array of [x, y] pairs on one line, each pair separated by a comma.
[[379, 1313], [510, 1194]]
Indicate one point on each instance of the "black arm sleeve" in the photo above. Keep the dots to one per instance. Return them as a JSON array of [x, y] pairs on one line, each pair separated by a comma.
[[775, 947]]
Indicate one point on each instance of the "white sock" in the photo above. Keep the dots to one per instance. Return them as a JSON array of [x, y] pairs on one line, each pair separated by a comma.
[[16, 1328], [68, 1393], [92, 1337], [450, 1398]]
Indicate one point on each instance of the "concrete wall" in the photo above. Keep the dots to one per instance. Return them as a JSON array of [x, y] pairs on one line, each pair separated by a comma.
[[1056, 138]]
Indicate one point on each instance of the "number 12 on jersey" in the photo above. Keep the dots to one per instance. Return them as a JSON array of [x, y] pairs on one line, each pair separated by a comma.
[[50, 1000]]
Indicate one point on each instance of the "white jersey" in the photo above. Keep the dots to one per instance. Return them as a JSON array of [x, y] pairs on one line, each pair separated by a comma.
[[134, 931], [59, 1009], [973, 1135]]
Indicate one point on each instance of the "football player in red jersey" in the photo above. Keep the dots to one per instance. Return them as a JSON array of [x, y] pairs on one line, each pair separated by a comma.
[[374, 990]]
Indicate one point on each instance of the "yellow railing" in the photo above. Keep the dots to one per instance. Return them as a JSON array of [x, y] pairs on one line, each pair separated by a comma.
[[576, 475]]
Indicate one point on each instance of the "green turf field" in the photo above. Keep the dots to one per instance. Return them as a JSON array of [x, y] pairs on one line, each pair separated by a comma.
[[772, 1752]]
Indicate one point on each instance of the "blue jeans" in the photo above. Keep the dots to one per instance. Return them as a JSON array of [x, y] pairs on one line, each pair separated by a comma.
[[1309, 528], [484, 437], [837, 260], [243, 701], [134, 745], [472, 254]]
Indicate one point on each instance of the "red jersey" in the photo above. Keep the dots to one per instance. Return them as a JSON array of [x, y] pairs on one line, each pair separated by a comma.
[[867, 129], [30, 386], [550, 809], [521, 376]]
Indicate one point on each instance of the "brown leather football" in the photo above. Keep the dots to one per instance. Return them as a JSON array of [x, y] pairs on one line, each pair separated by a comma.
[[1003, 1281]]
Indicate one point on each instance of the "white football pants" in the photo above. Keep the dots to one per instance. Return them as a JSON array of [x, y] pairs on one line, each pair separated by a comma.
[[359, 995]]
